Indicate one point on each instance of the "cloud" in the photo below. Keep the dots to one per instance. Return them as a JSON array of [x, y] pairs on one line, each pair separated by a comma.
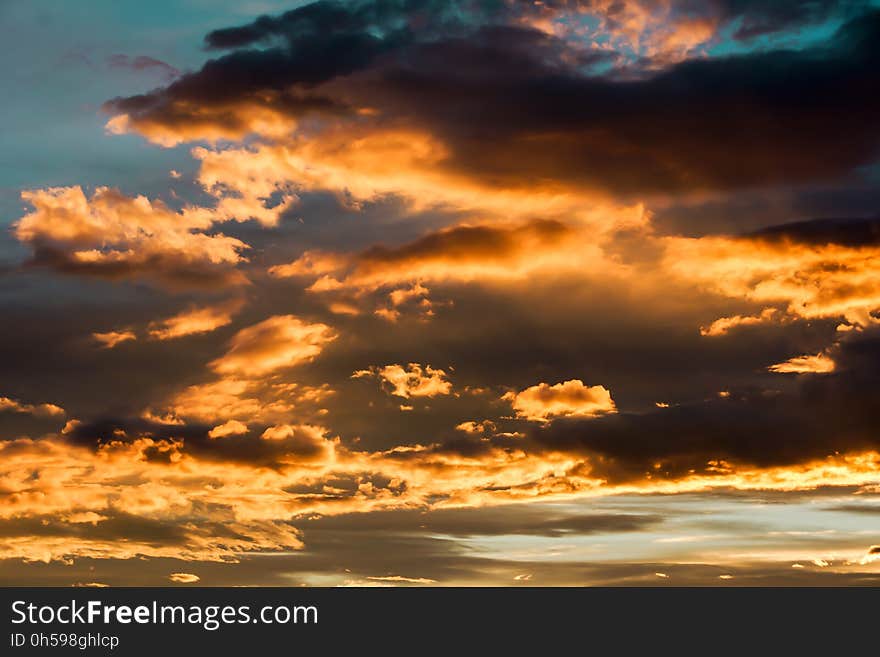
[[246, 400], [115, 236], [506, 155], [662, 33], [814, 281], [92, 585], [363, 165], [817, 417], [304, 442], [818, 364], [194, 321], [184, 578], [478, 254], [851, 232], [458, 253], [113, 338], [154, 516], [228, 428], [410, 381], [571, 398], [723, 325], [146, 481], [478, 428], [243, 505], [395, 579], [279, 342], [39, 410], [389, 98]]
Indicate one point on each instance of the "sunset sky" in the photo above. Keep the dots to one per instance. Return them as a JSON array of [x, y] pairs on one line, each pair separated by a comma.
[[407, 292]]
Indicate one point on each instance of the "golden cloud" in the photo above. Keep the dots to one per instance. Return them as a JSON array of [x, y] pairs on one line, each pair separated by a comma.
[[195, 320], [228, 428], [112, 233], [411, 381], [465, 253], [571, 398], [818, 364], [476, 428], [278, 342], [86, 500], [305, 442], [112, 338], [812, 281], [365, 162], [232, 121], [38, 410], [156, 510], [723, 325], [246, 400]]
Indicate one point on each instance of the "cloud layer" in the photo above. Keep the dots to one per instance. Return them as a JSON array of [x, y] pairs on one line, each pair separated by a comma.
[[457, 293]]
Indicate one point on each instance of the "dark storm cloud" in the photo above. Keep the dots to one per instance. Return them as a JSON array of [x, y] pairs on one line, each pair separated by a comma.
[[848, 232], [320, 41], [118, 524], [224, 84], [751, 17], [513, 107], [329, 18], [824, 415], [105, 430], [759, 209], [194, 439], [165, 270], [674, 131]]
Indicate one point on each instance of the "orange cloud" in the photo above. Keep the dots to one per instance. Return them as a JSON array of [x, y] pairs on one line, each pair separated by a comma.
[[813, 281], [112, 338], [818, 364], [412, 381], [152, 508], [477, 428], [194, 320], [218, 400], [246, 400], [38, 410], [723, 325], [571, 398], [652, 30], [278, 342], [364, 162], [248, 390], [113, 234], [232, 121], [465, 253], [86, 500], [305, 442], [229, 428]]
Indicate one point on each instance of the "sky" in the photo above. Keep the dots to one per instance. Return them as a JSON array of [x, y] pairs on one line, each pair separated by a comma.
[[440, 292]]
